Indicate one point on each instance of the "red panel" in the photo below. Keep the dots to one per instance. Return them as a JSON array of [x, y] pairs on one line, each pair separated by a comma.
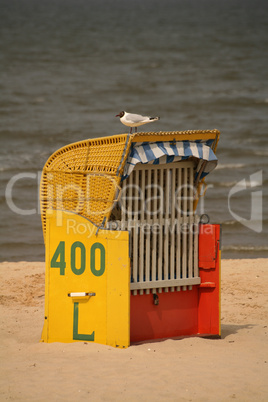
[[175, 315], [207, 246], [183, 313], [209, 290]]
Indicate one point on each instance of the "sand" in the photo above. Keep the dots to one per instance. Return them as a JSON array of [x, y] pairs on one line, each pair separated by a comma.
[[234, 367]]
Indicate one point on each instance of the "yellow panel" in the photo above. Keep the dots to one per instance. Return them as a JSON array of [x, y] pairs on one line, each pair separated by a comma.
[[118, 328], [189, 135], [87, 282]]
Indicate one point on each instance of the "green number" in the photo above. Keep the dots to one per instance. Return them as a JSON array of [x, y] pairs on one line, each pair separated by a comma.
[[76, 335], [75, 245], [97, 272], [58, 259], [59, 254]]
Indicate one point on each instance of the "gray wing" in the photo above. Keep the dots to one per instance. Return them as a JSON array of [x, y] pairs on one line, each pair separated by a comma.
[[135, 118]]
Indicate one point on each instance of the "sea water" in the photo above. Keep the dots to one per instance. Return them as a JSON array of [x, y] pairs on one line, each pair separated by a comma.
[[67, 67]]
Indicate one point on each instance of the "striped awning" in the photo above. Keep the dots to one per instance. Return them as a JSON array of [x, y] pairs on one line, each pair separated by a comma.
[[174, 151]]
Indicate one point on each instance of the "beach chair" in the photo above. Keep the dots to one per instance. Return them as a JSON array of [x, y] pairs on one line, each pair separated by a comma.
[[131, 199]]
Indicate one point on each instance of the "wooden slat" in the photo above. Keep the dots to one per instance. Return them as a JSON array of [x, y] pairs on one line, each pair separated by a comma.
[[179, 219], [155, 233], [129, 198], [147, 230], [160, 235], [129, 208], [135, 231], [123, 208], [166, 229], [184, 234], [167, 283], [173, 228], [190, 213], [141, 250], [196, 273]]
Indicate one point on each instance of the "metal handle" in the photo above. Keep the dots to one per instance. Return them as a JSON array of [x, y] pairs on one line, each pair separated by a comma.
[[81, 294], [204, 219]]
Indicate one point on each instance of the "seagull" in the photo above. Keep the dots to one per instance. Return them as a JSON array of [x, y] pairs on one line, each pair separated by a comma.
[[135, 120]]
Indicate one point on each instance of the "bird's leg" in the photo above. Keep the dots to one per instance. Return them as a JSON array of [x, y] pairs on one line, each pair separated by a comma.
[[130, 130], [136, 129]]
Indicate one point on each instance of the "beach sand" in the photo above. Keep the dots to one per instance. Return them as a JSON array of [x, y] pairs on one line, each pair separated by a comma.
[[234, 367]]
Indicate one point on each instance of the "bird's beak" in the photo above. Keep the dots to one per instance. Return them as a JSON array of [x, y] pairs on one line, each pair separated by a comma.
[[117, 115]]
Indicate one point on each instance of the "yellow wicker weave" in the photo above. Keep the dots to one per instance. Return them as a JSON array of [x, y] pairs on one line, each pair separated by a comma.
[[84, 177]]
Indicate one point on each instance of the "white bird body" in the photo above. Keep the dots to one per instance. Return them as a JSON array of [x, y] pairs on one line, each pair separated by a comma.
[[135, 120]]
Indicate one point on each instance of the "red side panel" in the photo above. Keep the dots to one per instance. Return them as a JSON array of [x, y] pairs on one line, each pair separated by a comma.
[[175, 315], [207, 246], [190, 312], [209, 272]]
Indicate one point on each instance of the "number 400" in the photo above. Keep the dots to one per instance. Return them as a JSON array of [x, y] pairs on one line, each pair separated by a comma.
[[58, 259]]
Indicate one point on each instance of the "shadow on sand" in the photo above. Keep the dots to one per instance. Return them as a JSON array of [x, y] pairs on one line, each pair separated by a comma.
[[231, 329]]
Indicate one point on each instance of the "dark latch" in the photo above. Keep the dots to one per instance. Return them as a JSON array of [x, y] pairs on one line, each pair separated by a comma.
[[156, 299]]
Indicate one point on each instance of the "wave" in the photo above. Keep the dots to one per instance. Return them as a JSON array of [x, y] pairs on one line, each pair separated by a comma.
[[249, 183], [231, 166], [224, 184], [230, 226], [233, 222], [229, 223], [260, 153], [16, 244], [240, 183], [245, 248]]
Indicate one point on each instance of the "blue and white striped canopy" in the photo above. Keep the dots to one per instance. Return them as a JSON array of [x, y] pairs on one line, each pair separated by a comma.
[[167, 152]]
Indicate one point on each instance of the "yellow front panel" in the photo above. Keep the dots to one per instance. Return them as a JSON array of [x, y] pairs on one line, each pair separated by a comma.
[[118, 293], [86, 274]]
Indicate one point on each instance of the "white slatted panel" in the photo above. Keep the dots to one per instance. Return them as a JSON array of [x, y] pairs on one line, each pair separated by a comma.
[[155, 236], [157, 207]]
